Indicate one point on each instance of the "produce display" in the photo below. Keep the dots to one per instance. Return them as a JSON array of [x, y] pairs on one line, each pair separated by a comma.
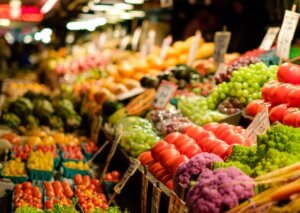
[[72, 152], [14, 168], [113, 176], [80, 165], [39, 160]]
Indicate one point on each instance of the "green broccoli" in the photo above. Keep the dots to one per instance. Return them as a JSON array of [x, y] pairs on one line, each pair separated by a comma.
[[73, 122], [245, 168], [43, 108], [11, 119], [32, 121], [55, 122], [244, 154], [21, 107], [64, 108]]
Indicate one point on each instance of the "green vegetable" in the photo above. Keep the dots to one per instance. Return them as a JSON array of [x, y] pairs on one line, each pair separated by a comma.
[[32, 121], [119, 114], [109, 107], [113, 209], [245, 168], [11, 120], [244, 154], [73, 122], [28, 209], [21, 107], [64, 209], [55, 122], [43, 108], [64, 108]]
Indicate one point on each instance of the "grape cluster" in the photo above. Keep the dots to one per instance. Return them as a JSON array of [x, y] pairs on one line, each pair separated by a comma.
[[230, 106], [245, 84], [235, 65]]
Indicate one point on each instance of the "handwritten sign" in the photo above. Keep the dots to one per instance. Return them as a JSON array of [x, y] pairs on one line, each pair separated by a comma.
[[259, 125], [119, 133], [176, 204], [164, 93], [165, 46], [135, 39], [129, 172], [269, 38], [144, 193], [141, 102], [193, 48], [286, 34], [222, 68], [222, 40], [155, 201]]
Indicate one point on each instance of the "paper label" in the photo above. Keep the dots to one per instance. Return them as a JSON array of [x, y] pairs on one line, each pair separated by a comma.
[[222, 68], [151, 37], [222, 40], [165, 46], [101, 40], [135, 39], [144, 193], [286, 34], [124, 42], [176, 204], [129, 172], [155, 201], [269, 38], [193, 48], [259, 125], [164, 93]]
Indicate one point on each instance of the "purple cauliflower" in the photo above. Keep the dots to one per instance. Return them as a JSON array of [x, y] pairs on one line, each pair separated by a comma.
[[193, 168], [219, 190]]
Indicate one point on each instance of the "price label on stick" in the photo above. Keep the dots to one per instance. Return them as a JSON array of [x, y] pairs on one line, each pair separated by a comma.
[[286, 34], [124, 42], [269, 38], [222, 68], [176, 204], [164, 93], [155, 201], [135, 39], [165, 46], [259, 125], [144, 193], [222, 39], [129, 172], [193, 48], [95, 127]]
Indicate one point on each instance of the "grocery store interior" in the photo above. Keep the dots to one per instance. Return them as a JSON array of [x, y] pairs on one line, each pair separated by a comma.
[[161, 106]]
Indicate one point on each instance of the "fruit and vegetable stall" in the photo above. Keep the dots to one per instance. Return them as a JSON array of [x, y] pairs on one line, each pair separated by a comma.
[[126, 132]]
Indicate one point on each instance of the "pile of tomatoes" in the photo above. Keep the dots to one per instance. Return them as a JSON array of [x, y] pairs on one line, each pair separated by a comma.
[[26, 194], [48, 148], [58, 193], [72, 152], [90, 147], [113, 176], [89, 193], [22, 151]]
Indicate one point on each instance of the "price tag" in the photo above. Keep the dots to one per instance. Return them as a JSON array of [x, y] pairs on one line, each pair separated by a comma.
[[193, 48], [164, 93], [222, 68], [119, 133], [141, 102], [151, 37], [259, 125], [135, 39], [176, 204], [269, 38], [124, 42], [96, 126], [144, 193], [222, 39], [165, 46], [286, 34], [101, 40], [155, 201], [129, 172]]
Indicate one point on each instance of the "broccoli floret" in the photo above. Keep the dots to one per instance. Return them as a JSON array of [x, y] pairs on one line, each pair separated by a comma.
[[244, 154], [73, 122], [55, 122], [11, 119], [21, 107], [64, 108], [43, 108], [32, 121], [245, 168]]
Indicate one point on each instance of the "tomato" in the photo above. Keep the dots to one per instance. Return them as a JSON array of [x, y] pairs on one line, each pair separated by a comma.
[[294, 97], [78, 179], [176, 163], [289, 73], [181, 143], [50, 193], [116, 174], [18, 186], [268, 89], [159, 147], [155, 168], [28, 191], [254, 107], [36, 192], [168, 154], [47, 185], [278, 112], [170, 138], [234, 139], [210, 126], [226, 134], [280, 94], [169, 184], [146, 158], [95, 181], [108, 177], [190, 150], [166, 178], [86, 180], [26, 185], [290, 118], [181, 140], [220, 150], [220, 128], [208, 144]]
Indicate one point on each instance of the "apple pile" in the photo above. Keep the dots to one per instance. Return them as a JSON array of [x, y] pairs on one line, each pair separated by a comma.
[[26, 194], [22, 151], [282, 97], [72, 152], [89, 193], [57, 193]]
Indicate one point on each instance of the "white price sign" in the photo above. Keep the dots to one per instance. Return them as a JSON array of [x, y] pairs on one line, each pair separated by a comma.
[[286, 34], [164, 93], [135, 39], [124, 42], [101, 40], [269, 38], [193, 48], [222, 40], [165, 46], [222, 68]]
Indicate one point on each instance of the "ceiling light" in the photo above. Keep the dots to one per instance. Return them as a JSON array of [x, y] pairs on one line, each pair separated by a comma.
[[15, 8], [137, 13], [123, 6], [97, 1], [46, 32], [89, 25], [48, 6], [4, 22], [70, 38], [46, 39], [27, 39], [37, 36], [9, 38], [126, 16], [101, 7], [85, 9], [134, 1]]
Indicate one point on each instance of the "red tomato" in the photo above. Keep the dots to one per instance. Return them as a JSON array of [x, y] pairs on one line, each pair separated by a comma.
[[26, 185], [37, 193], [268, 89], [294, 97], [160, 173], [155, 168], [211, 126], [116, 174], [167, 154], [159, 146], [108, 177], [278, 112], [181, 140], [78, 179], [95, 181], [208, 144], [254, 107], [86, 180], [204, 135], [176, 163], [220, 150], [50, 193], [170, 138], [226, 134], [235, 139], [169, 184], [190, 150], [220, 128], [166, 178], [280, 94], [184, 142], [290, 118], [289, 73], [18, 186], [146, 158]]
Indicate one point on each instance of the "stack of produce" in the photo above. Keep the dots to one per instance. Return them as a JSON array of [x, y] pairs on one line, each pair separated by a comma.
[[21, 151], [89, 193], [16, 88], [281, 97], [137, 135], [14, 168], [40, 165], [89, 148], [57, 192], [71, 153]]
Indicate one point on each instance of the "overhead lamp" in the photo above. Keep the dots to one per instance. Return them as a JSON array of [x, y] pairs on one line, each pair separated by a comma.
[[134, 1], [89, 25], [48, 6], [126, 16], [114, 11], [123, 6], [4, 22], [27, 39], [46, 32], [46, 39], [9, 38], [15, 8], [137, 13], [101, 7], [37, 36]]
